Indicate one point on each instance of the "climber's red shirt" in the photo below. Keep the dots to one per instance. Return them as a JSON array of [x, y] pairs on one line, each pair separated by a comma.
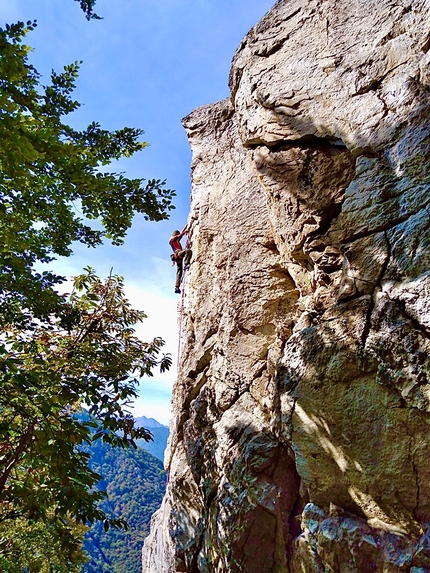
[[175, 243]]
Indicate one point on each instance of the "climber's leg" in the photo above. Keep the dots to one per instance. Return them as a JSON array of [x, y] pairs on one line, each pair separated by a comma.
[[179, 271]]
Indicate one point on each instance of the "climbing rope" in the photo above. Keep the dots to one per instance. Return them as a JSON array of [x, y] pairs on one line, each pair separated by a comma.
[[181, 306]]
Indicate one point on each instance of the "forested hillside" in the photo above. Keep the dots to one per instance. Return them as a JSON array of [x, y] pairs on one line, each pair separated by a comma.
[[135, 483]]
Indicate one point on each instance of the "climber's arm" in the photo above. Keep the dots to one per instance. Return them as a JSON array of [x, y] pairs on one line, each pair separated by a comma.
[[183, 232]]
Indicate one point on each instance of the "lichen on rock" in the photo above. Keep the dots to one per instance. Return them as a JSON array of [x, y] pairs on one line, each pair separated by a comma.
[[299, 439]]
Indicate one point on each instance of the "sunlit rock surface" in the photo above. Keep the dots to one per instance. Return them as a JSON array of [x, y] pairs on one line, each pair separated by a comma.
[[300, 440]]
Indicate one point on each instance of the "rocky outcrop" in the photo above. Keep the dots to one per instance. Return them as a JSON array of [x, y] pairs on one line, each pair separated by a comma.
[[300, 438]]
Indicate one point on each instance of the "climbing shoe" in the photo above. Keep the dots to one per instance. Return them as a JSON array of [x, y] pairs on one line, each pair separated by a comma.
[[177, 290]]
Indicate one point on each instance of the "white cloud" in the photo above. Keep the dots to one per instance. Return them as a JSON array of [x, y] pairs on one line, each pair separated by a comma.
[[161, 321], [162, 317], [156, 298]]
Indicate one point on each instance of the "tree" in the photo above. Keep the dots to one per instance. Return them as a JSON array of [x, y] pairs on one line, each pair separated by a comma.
[[88, 356], [57, 352]]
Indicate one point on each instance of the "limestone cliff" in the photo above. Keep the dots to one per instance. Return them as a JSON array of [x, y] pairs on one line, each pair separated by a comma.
[[300, 440]]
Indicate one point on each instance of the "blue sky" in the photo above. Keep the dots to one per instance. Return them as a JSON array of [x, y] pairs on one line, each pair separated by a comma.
[[147, 64]]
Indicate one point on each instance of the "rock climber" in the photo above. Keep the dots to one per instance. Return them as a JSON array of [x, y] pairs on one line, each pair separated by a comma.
[[181, 257]]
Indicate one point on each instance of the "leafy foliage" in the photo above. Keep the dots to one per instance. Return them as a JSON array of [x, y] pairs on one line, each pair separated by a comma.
[[41, 547], [88, 356], [88, 7], [135, 482]]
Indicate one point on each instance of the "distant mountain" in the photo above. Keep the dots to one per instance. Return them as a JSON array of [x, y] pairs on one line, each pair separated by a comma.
[[135, 482], [160, 434], [144, 422]]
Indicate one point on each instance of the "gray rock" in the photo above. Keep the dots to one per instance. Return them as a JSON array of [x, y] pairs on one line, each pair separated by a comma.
[[299, 441]]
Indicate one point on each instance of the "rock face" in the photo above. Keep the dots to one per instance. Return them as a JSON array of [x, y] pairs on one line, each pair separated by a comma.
[[300, 440]]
